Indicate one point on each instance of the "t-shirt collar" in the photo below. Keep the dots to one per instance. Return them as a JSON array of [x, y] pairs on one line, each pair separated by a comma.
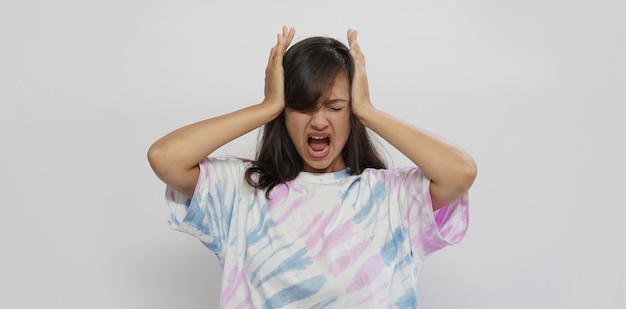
[[323, 177]]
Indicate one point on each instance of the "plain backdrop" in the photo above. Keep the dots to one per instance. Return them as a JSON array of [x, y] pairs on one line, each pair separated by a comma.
[[534, 90]]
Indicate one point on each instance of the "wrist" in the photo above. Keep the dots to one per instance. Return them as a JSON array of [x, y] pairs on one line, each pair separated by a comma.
[[272, 108], [365, 113]]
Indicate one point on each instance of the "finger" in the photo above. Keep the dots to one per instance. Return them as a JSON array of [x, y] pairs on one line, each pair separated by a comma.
[[352, 41], [271, 57], [282, 42], [284, 39], [352, 35], [291, 34]]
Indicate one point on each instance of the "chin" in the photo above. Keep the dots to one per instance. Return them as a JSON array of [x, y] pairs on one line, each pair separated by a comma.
[[315, 169], [321, 167]]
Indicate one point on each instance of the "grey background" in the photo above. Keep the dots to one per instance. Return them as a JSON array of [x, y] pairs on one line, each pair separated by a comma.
[[534, 90]]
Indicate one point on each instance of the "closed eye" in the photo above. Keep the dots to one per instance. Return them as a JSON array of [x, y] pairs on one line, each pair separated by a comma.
[[337, 104]]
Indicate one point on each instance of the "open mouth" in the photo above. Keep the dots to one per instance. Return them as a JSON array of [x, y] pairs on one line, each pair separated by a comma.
[[318, 144]]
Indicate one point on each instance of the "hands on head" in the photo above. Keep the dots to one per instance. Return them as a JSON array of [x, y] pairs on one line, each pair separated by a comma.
[[175, 157], [360, 89], [274, 72]]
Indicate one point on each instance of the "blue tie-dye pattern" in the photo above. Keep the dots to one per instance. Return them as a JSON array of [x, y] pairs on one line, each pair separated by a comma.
[[215, 221], [377, 194], [325, 303], [174, 220], [298, 261], [269, 242], [408, 300], [227, 209], [260, 230], [295, 292], [406, 261], [255, 273], [173, 216], [226, 212], [353, 189], [197, 219], [365, 199], [228, 216], [341, 174], [390, 249], [233, 238]]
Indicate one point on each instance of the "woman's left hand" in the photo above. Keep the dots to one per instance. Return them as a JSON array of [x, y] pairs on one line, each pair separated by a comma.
[[450, 169], [360, 90]]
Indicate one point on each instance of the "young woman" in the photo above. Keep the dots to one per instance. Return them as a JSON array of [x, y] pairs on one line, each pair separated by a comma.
[[316, 220]]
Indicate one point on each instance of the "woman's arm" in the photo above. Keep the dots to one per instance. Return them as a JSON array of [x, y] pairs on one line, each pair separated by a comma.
[[450, 169], [175, 157]]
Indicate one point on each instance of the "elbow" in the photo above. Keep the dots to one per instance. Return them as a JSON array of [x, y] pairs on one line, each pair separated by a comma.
[[456, 184], [467, 174], [165, 162], [461, 176], [157, 157]]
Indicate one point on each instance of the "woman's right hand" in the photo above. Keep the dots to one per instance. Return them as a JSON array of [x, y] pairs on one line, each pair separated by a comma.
[[275, 73], [176, 156]]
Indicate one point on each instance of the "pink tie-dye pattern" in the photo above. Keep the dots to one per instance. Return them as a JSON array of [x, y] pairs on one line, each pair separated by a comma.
[[417, 240], [425, 237], [441, 215], [340, 264], [379, 295], [311, 225], [337, 236], [348, 265], [234, 280], [280, 193], [431, 246], [244, 303], [444, 232], [318, 234], [378, 298], [367, 273], [393, 182], [412, 216], [297, 203]]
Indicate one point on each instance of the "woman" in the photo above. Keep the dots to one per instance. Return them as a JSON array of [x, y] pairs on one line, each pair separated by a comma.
[[316, 220]]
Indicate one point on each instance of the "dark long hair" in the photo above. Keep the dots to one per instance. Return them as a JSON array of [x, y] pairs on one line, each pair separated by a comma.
[[311, 66]]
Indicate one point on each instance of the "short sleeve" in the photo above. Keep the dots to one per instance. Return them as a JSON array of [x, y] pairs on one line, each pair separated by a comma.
[[429, 230], [208, 213]]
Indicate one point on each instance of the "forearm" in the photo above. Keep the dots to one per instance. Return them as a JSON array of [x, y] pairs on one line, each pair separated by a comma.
[[175, 157], [451, 170], [181, 150]]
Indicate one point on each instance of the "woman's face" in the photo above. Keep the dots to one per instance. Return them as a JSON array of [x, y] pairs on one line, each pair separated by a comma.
[[320, 135]]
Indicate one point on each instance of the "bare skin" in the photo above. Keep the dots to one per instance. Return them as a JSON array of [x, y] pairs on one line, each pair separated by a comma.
[[175, 157], [331, 119], [452, 171]]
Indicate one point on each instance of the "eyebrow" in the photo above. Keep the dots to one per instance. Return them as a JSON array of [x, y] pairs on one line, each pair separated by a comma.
[[337, 100]]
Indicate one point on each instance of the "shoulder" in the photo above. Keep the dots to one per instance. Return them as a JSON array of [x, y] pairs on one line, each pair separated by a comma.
[[391, 174], [225, 163], [398, 180], [223, 169]]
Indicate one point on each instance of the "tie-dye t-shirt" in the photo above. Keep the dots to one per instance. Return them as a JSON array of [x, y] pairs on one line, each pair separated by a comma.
[[321, 240]]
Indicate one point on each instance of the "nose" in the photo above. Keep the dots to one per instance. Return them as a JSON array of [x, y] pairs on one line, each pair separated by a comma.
[[319, 121]]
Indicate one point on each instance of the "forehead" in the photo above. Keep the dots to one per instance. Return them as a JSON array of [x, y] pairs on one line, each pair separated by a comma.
[[339, 89]]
